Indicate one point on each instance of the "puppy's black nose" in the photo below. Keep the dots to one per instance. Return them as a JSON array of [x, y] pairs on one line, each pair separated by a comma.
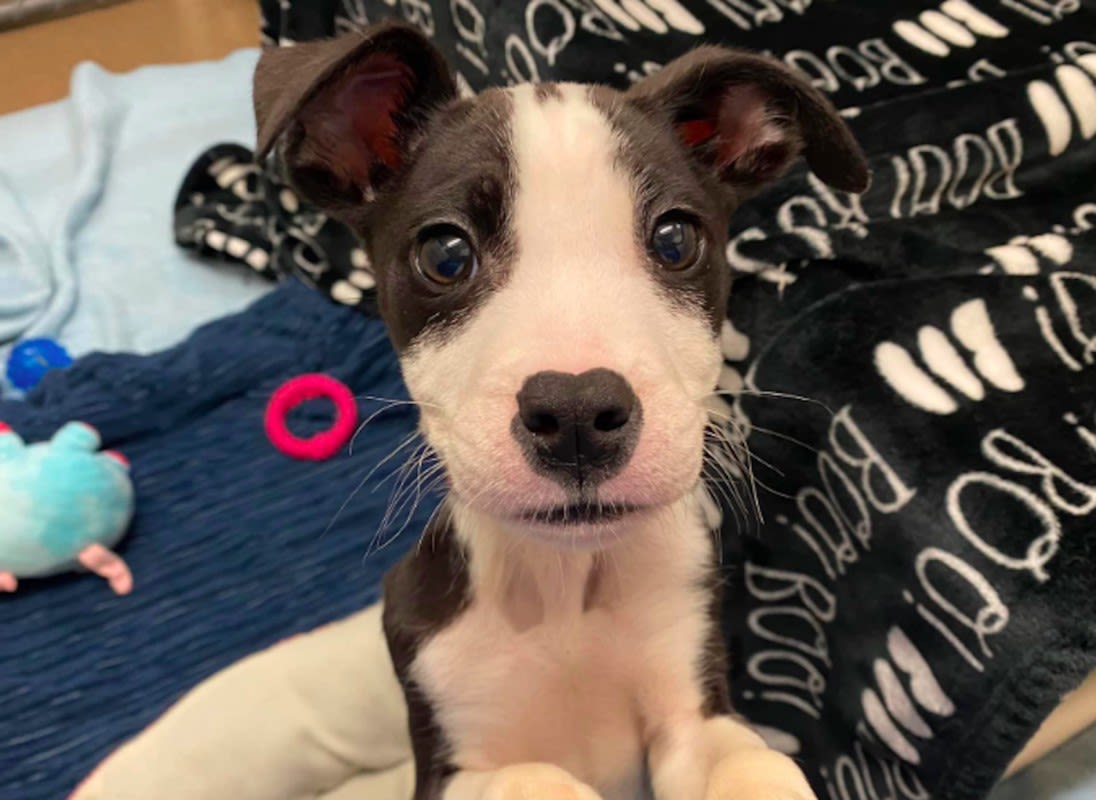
[[578, 430]]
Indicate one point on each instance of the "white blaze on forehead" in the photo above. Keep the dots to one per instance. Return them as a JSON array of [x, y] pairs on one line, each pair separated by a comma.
[[581, 293], [573, 203], [579, 281]]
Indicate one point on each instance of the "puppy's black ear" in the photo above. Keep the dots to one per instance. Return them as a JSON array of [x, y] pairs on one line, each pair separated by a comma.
[[748, 117], [347, 111]]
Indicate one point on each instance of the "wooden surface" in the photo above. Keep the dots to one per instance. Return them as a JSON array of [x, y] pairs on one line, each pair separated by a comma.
[[36, 61], [18, 13], [1076, 713]]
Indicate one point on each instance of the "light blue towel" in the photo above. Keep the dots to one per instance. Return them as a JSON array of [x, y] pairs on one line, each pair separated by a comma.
[[86, 192]]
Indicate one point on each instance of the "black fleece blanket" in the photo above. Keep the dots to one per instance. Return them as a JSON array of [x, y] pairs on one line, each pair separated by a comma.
[[912, 584]]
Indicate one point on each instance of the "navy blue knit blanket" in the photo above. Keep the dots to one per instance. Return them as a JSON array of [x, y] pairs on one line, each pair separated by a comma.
[[229, 535]]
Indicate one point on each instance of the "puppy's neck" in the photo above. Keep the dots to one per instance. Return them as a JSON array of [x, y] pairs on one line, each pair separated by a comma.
[[534, 581]]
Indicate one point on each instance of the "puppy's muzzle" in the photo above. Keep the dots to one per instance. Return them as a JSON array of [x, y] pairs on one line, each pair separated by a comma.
[[578, 430]]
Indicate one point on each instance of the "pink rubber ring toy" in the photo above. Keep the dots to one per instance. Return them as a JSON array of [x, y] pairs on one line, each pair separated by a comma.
[[314, 386]]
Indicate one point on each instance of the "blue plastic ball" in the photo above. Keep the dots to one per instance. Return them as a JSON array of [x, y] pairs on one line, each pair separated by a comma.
[[33, 358]]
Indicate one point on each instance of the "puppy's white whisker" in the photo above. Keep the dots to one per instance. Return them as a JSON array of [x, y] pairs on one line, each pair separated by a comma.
[[736, 422], [402, 496], [370, 418], [737, 446], [741, 443], [766, 394], [397, 401], [787, 438], [404, 444], [726, 488], [342, 507]]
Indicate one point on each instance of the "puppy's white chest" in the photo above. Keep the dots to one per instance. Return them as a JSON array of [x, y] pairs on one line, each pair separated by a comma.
[[573, 670]]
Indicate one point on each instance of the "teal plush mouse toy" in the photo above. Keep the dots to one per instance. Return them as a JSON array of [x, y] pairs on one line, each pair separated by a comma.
[[63, 506]]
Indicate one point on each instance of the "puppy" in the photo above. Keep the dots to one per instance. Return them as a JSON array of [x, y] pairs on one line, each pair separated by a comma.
[[550, 265]]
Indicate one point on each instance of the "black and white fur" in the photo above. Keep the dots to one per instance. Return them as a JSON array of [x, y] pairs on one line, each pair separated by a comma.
[[556, 633]]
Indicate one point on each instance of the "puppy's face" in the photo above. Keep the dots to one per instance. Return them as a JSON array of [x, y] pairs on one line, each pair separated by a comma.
[[550, 260]]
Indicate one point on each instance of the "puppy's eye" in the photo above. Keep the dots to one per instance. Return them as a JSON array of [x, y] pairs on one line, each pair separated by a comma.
[[675, 242], [445, 256]]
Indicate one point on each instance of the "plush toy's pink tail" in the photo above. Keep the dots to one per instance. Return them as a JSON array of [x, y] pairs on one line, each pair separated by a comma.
[[121, 459]]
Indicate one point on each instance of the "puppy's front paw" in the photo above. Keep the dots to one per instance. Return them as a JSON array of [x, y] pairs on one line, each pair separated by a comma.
[[757, 774], [537, 782]]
